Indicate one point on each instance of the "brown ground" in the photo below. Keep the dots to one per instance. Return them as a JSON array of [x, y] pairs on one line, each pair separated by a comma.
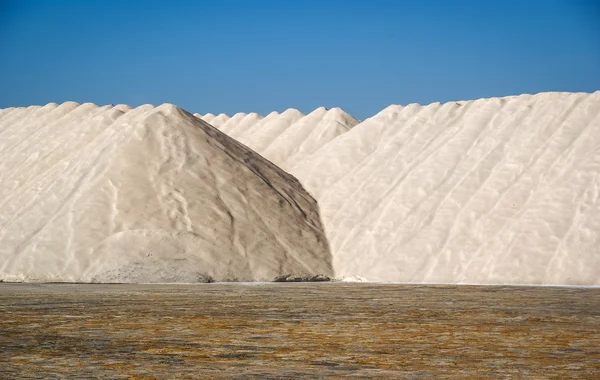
[[298, 330]]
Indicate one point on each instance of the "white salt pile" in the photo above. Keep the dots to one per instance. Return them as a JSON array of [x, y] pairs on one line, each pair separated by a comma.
[[492, 191], [110, 194], [488, 191]]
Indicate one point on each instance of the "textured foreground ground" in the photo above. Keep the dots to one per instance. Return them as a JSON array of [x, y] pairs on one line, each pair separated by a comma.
[[294, 330]]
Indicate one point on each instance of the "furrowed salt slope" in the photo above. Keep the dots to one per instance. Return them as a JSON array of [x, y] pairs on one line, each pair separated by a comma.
[[114, 194], [500, 190]]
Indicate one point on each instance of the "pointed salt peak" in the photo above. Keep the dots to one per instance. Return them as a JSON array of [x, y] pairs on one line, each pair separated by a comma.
[[251, 118], [239, 115], [208, 117], [254, 115], [292, 113], [412, 106], [434, 105], [143, 109], [66, 107], [480, 100], [321, 109], [320, 112], [123, 108], [221, 117], [339, 114], [219, 120], [70, 104], [313, 117], [386, 113], [168, 108], [51, 105]]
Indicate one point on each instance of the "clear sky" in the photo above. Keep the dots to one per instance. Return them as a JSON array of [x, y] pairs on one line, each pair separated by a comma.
[[262, 56]]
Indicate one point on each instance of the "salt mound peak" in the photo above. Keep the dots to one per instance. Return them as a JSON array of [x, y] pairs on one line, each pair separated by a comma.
[[239, 115], [232, 121], [342, 116], [291, 113], [122, 107], [320, 111], [69, 104], [168, 108], [208, 117], [219, 120]]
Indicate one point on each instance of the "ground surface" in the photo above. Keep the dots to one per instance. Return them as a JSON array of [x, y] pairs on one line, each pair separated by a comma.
[[298, 330]]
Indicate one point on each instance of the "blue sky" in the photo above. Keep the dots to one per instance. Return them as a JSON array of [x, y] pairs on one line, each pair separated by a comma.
[[261, 56]]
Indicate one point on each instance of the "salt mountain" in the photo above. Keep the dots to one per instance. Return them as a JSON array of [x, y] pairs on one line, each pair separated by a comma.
[[501, 190], [114, 194]]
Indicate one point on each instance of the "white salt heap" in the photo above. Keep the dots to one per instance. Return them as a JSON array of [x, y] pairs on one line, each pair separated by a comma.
[[492, 191], [487, 191], [110, 194]]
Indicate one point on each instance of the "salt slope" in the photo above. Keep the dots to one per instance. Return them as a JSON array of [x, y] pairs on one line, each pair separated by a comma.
[[114, 194], [287, 137], [501, 190]]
